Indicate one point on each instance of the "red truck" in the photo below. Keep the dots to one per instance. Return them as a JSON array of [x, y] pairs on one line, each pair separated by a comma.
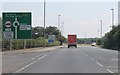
[[72, 40]]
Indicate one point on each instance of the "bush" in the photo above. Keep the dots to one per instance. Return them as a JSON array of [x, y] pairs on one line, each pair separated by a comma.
[[55, 43], [99, 41], [17, 44], [30, 43]]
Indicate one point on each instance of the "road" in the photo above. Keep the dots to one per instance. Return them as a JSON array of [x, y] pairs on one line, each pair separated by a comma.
[[63, 60]]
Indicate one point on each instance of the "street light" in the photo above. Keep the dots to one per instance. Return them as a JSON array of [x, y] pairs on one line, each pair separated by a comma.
[[44, 24], [59, 21], [59, 26], [98, 33], [112, 17], [62, 28], [101, 29]]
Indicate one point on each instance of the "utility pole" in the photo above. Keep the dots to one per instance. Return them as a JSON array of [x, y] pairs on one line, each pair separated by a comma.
[[101, 29], [44, 23]]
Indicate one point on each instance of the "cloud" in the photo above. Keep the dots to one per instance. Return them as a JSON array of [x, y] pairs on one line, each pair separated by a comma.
[[67, 17], [37, 21], [82, 23]]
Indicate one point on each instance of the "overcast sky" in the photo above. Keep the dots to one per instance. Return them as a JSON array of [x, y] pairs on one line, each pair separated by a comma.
[[81, 18]]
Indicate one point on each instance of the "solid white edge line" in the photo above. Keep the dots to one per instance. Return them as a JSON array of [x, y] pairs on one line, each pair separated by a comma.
[[109, 71], [30, 64]]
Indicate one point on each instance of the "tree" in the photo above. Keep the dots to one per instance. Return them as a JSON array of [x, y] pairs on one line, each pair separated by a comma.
[[99, 41], [51, 31], [111, 39], [0, 23], [0, 30], [37, 32]]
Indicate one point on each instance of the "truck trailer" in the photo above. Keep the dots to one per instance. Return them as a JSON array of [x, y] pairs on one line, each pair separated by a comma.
[[72, 40]]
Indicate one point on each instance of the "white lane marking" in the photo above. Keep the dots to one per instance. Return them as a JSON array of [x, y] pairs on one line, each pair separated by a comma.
[[86, 55], [114, 59], [83, 52], [92, 59], [109, 71], [30, 64], [99, 64], [112, 66], [33, 58]]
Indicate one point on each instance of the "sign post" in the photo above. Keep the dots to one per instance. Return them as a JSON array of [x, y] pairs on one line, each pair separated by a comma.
[[16, 25], [25, 44]]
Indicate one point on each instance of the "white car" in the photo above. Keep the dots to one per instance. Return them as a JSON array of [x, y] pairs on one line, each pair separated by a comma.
[[93, 44]]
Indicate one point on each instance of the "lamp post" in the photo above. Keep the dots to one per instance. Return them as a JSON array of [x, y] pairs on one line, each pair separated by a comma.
[[101, 29], [44, 23], [62, 28], [98, 33], [59, 27], [59, 22], [112, 17]]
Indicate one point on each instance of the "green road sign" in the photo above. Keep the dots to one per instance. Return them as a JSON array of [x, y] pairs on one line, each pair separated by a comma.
[[16, 25]]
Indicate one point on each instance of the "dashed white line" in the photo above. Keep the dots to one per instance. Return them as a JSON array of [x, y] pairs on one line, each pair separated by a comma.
[[33, 58], [113, 66], [109, 71], [83, 52], [24, 67], [114, 59], [30, 64], [86, 55], [92, 59], [99, 64]]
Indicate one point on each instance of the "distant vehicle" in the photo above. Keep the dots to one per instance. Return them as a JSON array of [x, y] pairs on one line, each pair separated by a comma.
[[72, 40], [93, 44]]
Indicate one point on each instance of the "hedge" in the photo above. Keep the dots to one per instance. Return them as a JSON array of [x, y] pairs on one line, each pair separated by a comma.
[[30, 43]]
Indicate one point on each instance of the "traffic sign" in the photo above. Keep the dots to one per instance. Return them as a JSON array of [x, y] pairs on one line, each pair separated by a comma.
[[17, 25], [51, 38], [8, 24]]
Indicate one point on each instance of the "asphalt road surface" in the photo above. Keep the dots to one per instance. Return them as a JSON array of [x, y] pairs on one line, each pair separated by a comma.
[[63, 60]]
